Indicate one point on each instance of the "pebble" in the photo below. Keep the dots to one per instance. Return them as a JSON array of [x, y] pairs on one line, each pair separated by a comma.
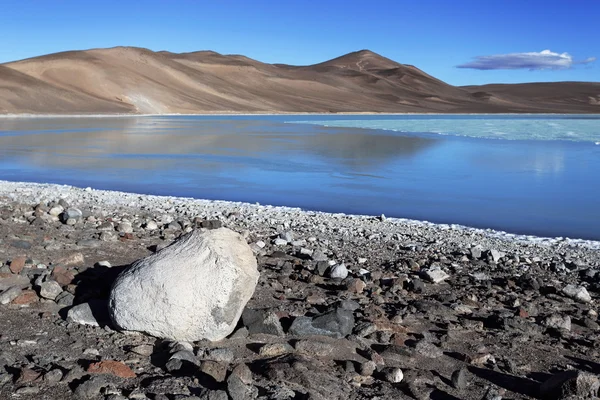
[[10, 294], [50, 290], [338, 271], [393, 375], [459, 379], [578, 293]]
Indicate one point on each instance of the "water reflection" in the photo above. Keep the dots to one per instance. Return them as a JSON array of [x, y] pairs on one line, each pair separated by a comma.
[[159, 143]]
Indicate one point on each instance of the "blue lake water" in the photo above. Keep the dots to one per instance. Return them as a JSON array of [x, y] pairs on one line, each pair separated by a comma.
[[522, 174]]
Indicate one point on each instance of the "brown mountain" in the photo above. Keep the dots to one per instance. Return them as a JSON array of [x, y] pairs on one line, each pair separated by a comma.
[[135, 80]]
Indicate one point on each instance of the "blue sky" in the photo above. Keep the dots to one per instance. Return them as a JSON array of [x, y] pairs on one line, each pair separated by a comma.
[[485, 37]]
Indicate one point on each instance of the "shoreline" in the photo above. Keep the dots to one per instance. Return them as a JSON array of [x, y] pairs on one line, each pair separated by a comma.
[[248, 114], [30, 192]]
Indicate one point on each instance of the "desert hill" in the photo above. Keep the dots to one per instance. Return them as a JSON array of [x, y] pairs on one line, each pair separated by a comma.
[[136, 80]]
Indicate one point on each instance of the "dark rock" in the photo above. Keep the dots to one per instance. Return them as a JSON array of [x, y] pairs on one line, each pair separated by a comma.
[[337, 323], [262, 321], [211, 224], [459, 379], [91, 388], [21, 244], [217, 370]]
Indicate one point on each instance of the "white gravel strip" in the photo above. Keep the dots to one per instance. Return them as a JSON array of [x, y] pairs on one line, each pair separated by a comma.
[[260, 215]]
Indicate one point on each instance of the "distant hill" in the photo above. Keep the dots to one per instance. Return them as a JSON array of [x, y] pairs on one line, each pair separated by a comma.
[[136, 80]]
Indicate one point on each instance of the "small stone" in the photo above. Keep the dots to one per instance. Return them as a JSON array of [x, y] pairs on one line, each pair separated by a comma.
[[26, 297], [428, 349], [262, 321], [62, 275], [367, 368], [557, 321], [50, 290], [91, 388], [459, 379], [222, 354], [111, 367], [319, 256], [91, 352], [71, 214], [56, 211], [492, 394], [151, 225], [242, 372], [65, 299], [280, 242], [27, 390], [356, 286], [435, 275], [215, 369], [103, 264], [476, 252], [28, 375], [72, 260], [338, 271], [109, 236], [177, 359], [21, 244], [143, 350], [10, 294], [337, 323], [211, 224], [125, 227], [237, 388], [53, 376], [287, 236], [496, 255], [578, 293], [393, 375], [90, 313], [275, 349], [17, 264]]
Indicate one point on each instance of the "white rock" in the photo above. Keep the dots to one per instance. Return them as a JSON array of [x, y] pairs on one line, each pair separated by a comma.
[[394, 375], [50, 289], [435, 275], [56, 211], [104, 264], [280, 242], [151, 225], [83, 314], [339, 271], [496, 255], [194, 289], [125, 227], [10, 294], [578, 293]]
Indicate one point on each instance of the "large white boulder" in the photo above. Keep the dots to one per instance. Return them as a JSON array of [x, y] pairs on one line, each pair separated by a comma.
[[194, 289]]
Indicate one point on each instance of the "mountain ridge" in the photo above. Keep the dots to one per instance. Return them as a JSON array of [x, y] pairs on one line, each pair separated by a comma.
[[133, 80]]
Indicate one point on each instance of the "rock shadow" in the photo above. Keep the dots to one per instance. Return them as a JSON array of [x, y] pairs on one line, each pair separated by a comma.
[[93, 287], [516, 384]]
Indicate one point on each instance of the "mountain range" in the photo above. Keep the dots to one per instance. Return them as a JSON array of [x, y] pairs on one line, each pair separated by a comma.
[[130, 80]]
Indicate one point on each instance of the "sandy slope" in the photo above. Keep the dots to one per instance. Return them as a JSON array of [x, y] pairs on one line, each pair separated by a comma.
[[135, 80]]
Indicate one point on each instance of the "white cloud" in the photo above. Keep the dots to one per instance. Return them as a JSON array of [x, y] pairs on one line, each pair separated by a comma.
[[545, 59]]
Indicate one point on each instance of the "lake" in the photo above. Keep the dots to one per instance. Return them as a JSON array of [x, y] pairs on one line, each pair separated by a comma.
[[537, 175]]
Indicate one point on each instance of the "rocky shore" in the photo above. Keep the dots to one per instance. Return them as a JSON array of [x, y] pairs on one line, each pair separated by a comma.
[[346, 307]]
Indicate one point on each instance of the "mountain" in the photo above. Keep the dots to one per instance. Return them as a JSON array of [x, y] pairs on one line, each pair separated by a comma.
[[136, 80]]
